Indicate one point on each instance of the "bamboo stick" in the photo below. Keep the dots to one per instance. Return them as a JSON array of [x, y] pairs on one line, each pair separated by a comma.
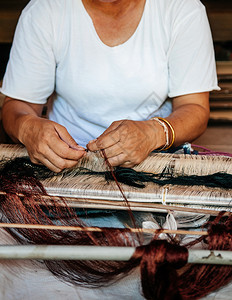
[[51, 252], [121, 205], [139, 206], [97, 229]]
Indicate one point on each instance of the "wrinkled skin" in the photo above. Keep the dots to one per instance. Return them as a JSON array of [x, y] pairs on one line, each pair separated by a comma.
[[127, 143]]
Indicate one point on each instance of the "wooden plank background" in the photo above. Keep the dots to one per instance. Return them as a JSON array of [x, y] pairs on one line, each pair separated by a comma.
[[220, 18], [9, 13]]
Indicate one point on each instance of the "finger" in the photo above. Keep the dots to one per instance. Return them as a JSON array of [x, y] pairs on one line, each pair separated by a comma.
[[127, 164], [51, 166], [114, 150], [54, 162], [67, 138], [34, 161], [62, 149], [65, 165], [94, 145], [117, 160], [112, 127], [44, 161], [105, 141]]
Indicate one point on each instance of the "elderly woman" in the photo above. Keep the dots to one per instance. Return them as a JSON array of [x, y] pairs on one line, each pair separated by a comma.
[[113, 65], [127, 76]]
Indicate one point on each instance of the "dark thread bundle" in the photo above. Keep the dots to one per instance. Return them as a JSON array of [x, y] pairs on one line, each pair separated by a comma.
[[137, 179], [123, 175], [160, 261]]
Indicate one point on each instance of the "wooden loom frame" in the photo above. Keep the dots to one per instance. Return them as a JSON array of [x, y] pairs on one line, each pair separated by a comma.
[[66, 252], [85, 197]]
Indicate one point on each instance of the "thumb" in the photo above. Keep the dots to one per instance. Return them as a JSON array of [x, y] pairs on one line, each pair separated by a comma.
[[112, 127], [92, 144], [67, 138]]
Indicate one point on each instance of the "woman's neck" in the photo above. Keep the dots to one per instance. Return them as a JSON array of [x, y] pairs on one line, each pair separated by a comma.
[[113, 8], [115, 21]]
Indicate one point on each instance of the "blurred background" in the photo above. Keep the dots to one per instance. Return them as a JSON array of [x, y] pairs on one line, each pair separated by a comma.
[[219, 132]]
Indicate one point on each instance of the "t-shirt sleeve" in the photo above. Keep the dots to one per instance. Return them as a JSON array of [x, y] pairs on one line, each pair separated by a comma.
[[191, 59], [30, 74]]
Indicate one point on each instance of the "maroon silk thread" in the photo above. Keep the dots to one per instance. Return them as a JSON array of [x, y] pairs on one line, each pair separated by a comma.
[[159, 261], [123, 195]]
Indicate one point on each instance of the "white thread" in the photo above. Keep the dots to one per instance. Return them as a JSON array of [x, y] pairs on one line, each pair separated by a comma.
[[164, 196], [165, 127]]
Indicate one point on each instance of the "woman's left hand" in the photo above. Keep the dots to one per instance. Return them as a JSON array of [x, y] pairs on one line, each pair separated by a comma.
[[127, 143]]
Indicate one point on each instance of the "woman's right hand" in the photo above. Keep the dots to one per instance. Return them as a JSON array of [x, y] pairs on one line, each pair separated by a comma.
[[49, 143]]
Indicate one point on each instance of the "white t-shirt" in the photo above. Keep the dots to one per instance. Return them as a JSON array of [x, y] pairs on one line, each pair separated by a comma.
[[57, 48]]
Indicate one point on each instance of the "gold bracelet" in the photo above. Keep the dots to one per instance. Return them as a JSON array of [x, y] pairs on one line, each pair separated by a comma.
[[172, 130]]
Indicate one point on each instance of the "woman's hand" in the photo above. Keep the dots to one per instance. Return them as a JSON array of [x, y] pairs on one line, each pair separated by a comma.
[[49, 143], [127, 143]]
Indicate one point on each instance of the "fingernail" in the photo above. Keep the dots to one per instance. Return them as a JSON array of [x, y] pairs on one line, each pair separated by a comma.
[[75, 147]]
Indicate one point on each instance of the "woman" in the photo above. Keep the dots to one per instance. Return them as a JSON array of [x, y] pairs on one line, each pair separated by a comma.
[[112, 64]]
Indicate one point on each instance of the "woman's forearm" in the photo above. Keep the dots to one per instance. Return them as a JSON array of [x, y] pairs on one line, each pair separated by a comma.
[[14, 115]]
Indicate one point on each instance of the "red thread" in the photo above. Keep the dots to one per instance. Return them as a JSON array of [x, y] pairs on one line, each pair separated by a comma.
[[159, 260]]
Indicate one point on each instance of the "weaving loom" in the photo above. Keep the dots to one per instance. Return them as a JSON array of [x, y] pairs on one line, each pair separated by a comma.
[[91, 191]]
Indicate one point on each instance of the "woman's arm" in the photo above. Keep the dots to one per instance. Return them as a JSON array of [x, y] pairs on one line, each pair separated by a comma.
[[127, 142], [189, 117], [47, 142]]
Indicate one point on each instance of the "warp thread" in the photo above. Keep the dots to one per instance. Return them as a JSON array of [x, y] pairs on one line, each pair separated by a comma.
[[123, 175], [160, 261]]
